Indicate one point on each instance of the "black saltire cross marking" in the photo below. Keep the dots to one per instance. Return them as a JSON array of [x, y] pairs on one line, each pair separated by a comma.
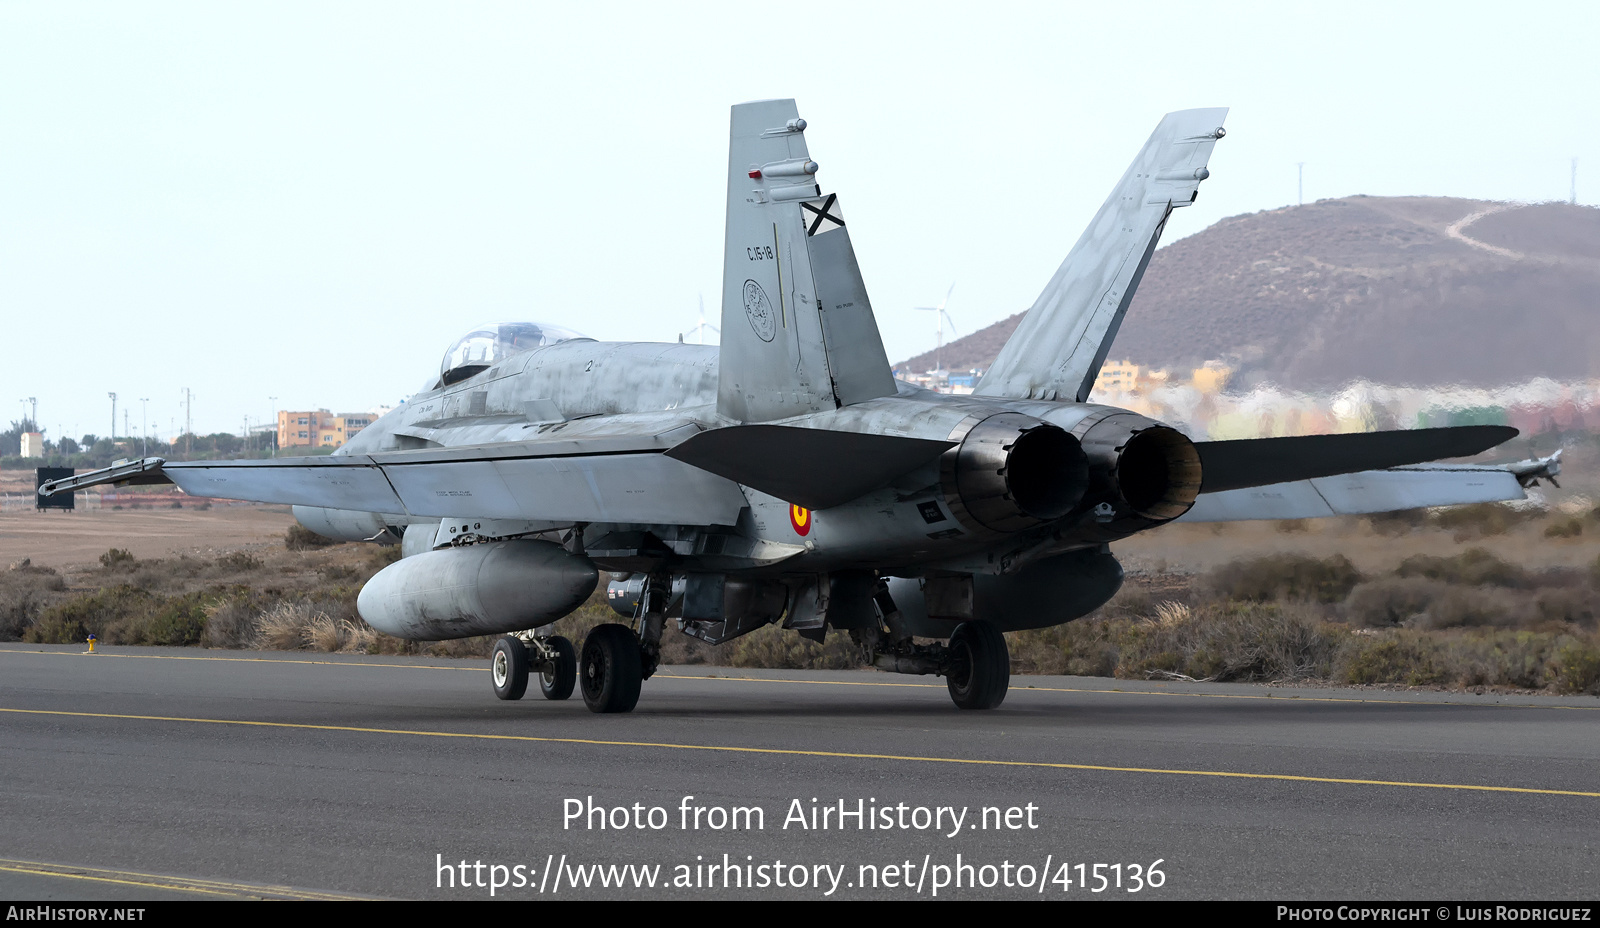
[[822, 213]]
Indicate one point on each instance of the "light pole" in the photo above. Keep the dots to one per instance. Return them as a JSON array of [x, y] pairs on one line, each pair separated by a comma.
[[144, 427], [275, 425], [113, 435]]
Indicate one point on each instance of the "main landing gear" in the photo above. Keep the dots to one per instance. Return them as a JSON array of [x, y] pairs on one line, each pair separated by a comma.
[[515, 656], [614, 663], [976, 664]]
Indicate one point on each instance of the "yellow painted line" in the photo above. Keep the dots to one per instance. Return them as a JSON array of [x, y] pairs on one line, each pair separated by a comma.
[[177, 883], [238, 660], [797, 752], [666, 676], [1015, 688]]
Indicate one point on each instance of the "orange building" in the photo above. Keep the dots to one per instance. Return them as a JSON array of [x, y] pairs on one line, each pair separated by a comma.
[[320, 428]]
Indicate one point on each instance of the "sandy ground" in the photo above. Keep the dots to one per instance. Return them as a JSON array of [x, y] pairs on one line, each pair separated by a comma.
[[66, 539]]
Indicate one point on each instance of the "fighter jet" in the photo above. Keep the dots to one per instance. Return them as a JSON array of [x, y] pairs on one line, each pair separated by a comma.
[[787, 476]]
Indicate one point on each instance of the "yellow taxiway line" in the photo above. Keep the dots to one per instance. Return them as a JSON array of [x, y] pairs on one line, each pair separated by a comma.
[[798, 752], [175, 883], [1023, 688]]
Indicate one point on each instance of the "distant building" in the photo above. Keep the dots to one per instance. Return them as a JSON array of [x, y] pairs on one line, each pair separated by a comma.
[[1116, 377], [320, 428], [32, 444], [1212, 378]]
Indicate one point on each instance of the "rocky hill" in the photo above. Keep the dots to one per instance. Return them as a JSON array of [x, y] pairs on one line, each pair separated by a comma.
[[1399, 290]]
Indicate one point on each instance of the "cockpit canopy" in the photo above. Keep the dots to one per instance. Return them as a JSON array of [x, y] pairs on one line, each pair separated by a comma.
[[473, 352]]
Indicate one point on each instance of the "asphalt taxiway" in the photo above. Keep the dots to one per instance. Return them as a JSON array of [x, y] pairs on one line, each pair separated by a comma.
[[185, 773]]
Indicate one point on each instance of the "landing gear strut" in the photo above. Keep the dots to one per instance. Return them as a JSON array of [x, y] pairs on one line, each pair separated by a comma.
[[976, 664], [516, 655]]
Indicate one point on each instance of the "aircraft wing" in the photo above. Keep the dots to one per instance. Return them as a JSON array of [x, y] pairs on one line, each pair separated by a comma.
[[1367, 492], [618, 480]]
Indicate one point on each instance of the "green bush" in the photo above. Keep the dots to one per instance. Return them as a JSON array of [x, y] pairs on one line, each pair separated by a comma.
[[103, 613], [1576, 668]]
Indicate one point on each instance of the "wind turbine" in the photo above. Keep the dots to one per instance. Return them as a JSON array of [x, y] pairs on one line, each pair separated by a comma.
[[940, 318], [701, 328]]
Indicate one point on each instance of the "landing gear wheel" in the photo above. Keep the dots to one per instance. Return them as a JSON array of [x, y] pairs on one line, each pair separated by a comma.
[[980, 666], [611, 669], [556, 681], [508, 667]]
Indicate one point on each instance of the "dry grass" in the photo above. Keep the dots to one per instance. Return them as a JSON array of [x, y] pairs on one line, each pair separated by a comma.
[[1519, 609]]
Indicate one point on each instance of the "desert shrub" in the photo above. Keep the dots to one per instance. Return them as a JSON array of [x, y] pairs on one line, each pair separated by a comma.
[[1396, 658], [1473, 567], [1390, 601], [479, 646], [105, 613], [1237, 641], [1457, 607], [176, 622], [1564, 528], [1577, 605], [1576, 667], [1481, 519], [1293, 526], [284, 627], [337, 573], [300, 538], [231, 621], [238, 561], [773, 647], [117, 558], [382, 556], [1399, 522], [24, 592], [1286, 576], [177, 504], [325, 634]]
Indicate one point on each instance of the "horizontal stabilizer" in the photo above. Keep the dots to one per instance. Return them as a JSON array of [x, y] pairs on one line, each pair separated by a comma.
[[1257, 462], [1361, 493], [814, 468]]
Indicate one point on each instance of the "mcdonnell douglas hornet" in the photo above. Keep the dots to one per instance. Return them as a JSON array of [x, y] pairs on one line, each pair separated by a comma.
[[787, 476]]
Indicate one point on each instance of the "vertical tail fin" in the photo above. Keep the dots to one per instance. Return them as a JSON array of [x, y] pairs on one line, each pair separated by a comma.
[[798, 335], [1057, 350]]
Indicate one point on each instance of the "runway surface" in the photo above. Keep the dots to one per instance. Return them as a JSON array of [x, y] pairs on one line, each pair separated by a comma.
[[184, 773]]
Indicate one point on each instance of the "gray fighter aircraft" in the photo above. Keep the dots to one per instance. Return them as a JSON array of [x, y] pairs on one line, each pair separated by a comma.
[[788, 477]]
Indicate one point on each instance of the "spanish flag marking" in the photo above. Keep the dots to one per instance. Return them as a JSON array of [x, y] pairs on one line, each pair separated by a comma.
[[800, 518]]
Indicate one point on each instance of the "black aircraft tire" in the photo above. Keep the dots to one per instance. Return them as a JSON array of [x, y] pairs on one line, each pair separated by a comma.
[[981, 666], [557, 682], [508, 668], [611, 670]]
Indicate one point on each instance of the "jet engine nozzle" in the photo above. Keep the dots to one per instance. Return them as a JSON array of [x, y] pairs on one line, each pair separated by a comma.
[[481, 589], [1012, 472], [1150, 471]]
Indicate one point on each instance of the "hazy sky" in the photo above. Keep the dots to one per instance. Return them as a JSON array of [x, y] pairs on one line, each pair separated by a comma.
[[310, 201]]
